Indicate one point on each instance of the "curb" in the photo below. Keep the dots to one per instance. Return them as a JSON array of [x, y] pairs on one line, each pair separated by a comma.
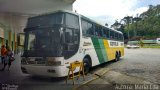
[[96, 77]]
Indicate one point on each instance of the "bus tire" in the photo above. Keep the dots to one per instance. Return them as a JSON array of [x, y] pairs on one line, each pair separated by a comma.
[[117, 57], [87, 65], [119, 54]]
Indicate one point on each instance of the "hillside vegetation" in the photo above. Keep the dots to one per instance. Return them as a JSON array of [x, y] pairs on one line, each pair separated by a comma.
[[145, 25]]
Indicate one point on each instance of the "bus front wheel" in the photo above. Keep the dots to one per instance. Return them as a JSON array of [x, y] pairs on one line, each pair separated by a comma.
[[87, 65]]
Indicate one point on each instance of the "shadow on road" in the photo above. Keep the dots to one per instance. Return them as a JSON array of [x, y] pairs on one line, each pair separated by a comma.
[[103, 65]]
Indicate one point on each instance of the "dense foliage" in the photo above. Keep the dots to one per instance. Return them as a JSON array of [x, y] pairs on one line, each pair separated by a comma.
[[146, 25]]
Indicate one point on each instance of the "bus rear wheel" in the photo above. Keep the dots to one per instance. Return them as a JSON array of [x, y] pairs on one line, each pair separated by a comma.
[[117, 57], [87, 65], [119, 54]]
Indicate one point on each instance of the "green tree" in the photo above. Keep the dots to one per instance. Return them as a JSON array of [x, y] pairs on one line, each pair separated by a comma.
[[145, 25], [128, 20]]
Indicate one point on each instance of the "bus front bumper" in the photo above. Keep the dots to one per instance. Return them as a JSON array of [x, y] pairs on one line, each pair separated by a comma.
[[49, 71]]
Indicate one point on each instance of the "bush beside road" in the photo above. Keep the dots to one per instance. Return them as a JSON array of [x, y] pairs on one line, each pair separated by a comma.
[[147, 46], [155, 46]]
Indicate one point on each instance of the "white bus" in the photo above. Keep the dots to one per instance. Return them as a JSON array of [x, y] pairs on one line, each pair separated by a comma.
[[54, 40]]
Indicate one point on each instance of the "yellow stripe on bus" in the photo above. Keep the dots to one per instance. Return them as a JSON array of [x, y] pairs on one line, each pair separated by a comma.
[[111, 51]]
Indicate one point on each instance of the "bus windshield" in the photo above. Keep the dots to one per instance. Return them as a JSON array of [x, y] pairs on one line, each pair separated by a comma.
[[42, 35], [43, 42], [52, 35]]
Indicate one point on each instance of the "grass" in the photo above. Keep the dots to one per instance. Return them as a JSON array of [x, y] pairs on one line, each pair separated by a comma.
[[155, 46], [148, 46]]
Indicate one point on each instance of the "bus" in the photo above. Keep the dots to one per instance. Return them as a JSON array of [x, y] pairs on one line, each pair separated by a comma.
[[54, 40]]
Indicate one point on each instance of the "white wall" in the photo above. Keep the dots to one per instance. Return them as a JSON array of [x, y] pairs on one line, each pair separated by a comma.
[[15, 16], [34, 6], [15, 22]]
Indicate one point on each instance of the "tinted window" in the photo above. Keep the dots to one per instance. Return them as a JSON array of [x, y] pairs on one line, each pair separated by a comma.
[[87, 28], [111, 34], [71, 36], [46, 20], [115, 35], [121, 37], [72, 21], [106, 33], [98, 31], [43, 42]]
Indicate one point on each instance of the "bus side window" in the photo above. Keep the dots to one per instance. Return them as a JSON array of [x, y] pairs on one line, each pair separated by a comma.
[[87, 28], [111, 34], [116, 36], [96, 31], [100, 31], [107, 33], [104, 33], [122, 38], [84, 27], [90, 30], [72, 21]]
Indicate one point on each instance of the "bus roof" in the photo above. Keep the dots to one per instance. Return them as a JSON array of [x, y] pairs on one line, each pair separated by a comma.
[[74, 13], [55, 12]]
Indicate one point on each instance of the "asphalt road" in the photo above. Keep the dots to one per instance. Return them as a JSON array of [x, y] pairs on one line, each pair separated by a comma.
[[142, 63]]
